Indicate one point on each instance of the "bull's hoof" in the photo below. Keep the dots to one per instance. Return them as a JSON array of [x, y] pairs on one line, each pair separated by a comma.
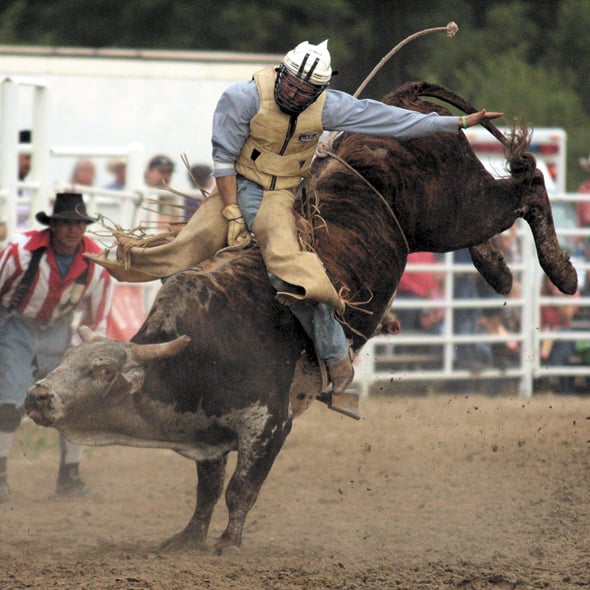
[[568, 284], [227, 550], [182, 542], [561, 271]]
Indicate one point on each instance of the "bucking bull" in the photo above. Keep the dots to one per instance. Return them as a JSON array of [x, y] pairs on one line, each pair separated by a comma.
[[220, 366]]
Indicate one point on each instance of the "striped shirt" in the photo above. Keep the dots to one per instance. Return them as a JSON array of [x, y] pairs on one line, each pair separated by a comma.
[[49, 293]]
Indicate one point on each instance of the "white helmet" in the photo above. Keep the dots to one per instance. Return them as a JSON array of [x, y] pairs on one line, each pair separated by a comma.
[[310, 63], [303, 75]]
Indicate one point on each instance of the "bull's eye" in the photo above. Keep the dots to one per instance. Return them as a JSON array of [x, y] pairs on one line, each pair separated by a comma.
[[103, 373]]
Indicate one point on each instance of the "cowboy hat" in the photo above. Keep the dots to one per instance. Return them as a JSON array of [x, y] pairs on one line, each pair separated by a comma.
[[68, 206], [585, 163]]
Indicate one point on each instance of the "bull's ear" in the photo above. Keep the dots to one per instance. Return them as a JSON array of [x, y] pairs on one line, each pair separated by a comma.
[[126, 384]]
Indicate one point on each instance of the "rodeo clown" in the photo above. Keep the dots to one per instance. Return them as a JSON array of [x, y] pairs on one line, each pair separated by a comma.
[[44, 282], [265, 134]]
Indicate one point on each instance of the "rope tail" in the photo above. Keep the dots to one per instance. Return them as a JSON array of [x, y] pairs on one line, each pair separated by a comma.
[[451, 30]]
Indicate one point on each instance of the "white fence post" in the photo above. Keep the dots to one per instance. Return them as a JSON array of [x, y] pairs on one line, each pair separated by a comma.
[[41, 194], [9, 154], [529, 287]]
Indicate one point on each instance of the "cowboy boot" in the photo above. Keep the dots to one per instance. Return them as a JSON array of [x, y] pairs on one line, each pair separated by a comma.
[[341, 375], [343, 400]]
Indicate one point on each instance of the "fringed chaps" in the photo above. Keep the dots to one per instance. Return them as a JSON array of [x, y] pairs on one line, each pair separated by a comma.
[[276, 234], [203, 236], [206, 233]]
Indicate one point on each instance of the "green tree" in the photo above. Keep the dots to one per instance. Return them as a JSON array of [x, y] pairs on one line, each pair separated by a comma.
[[500, 67], [524, 57]]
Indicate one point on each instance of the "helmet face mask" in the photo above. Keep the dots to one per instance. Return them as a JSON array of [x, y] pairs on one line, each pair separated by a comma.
[[294, 95], [302, 76]]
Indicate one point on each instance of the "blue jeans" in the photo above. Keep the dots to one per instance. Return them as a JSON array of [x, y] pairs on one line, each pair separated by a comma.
[[317, 319], [28, 352]]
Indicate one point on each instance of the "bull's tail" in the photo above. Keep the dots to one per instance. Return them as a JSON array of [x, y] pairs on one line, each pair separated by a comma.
[[414, 90]]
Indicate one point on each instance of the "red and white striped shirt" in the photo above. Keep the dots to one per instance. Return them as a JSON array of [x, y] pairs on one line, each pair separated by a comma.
[[49, 293]]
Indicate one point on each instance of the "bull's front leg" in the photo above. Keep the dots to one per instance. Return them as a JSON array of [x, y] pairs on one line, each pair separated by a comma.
[[210, 478], [256, 456]]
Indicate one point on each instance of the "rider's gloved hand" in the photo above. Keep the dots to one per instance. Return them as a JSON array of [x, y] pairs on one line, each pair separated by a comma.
[[237, 232]]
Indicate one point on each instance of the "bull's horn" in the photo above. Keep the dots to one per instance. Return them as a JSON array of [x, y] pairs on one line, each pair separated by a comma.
[[88, 335], [146, 352]]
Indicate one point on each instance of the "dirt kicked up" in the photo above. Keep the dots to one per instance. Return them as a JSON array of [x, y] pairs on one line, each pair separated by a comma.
[[433, 492]]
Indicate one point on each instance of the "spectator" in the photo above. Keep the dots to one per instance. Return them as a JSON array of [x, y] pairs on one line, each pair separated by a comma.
[[558, 318], [118, 168], [420, 285], [44, 279], [500, 320], [583, 207], [473, 356], [83, 172], [417, 286], [24, 159], [158, 174], [202, 180], [159, 171]]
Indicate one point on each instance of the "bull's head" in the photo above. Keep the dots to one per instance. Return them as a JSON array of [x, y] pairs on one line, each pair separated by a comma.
[[92, 380]]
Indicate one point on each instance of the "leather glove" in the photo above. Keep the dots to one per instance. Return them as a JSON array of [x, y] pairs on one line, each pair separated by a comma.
[[237, 232]]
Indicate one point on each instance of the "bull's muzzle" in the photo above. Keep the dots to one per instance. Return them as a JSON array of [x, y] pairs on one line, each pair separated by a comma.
[[37, 403]]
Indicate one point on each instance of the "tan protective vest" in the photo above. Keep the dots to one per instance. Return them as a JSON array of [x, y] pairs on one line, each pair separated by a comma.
[[274, 225], [278, 152]]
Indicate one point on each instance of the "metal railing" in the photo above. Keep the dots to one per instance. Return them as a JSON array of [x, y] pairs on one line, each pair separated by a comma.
[[393, 362]]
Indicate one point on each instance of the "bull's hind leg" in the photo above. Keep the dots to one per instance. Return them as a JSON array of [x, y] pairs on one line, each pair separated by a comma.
[[210, 476], [553, 259], [256, 455], [490, 263]]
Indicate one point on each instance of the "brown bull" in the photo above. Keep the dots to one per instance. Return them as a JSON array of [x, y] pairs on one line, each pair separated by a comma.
[[242, 379]]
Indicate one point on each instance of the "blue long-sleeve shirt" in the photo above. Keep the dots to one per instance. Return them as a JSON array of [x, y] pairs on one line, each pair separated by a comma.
[[342, 112]]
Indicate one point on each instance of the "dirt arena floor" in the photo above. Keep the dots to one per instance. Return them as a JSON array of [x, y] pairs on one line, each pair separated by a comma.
[[437, 491]]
